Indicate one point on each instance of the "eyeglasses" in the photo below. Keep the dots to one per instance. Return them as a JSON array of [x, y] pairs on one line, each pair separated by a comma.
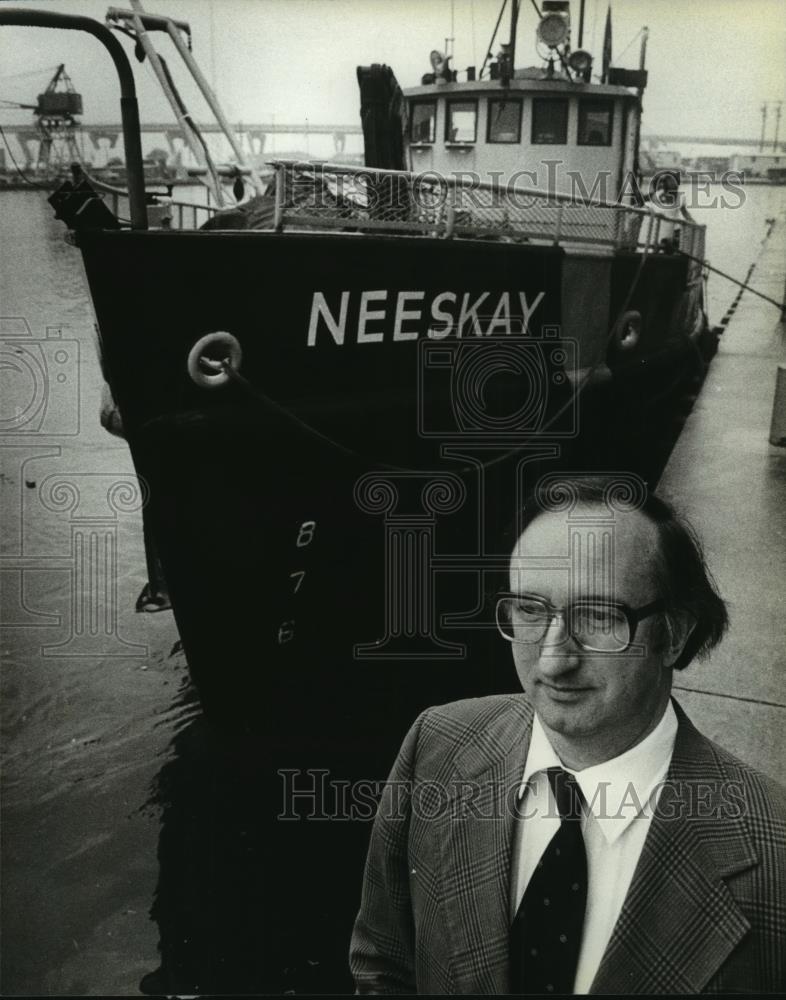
[[598, 626]]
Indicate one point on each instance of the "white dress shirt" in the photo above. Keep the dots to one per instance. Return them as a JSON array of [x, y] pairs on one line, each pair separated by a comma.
[[621, 795]]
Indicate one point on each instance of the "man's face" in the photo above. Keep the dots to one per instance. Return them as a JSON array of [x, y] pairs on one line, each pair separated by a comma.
[[594, 706]]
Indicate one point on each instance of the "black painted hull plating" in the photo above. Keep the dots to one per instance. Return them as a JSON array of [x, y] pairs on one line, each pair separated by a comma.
[[313, 584]]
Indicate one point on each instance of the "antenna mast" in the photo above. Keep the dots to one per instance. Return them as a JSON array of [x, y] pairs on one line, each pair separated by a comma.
[[514, 22]]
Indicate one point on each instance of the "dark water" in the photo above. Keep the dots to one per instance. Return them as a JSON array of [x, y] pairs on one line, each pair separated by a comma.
[[89, 703], [123, 831]]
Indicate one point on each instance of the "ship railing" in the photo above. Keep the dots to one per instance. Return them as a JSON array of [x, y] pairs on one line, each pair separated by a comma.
[[325, 196], [163, 211]]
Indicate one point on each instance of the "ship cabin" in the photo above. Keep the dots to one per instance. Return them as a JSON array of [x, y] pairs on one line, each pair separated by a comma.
[[550, 132]]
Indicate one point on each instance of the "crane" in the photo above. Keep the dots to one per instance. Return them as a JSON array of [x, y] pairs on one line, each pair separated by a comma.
[[56, 121]]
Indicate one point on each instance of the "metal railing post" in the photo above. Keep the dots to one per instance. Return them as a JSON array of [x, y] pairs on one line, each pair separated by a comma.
[[619, 227], [278, 213], [450, 221]]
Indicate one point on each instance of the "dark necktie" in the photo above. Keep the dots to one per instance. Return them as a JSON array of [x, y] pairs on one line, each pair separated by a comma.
[[546, 934]]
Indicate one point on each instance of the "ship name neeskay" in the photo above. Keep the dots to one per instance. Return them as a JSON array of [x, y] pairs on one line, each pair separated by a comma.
[[377, 315]]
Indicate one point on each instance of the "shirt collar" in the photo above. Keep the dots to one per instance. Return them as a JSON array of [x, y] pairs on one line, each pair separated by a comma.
[[617, 790]]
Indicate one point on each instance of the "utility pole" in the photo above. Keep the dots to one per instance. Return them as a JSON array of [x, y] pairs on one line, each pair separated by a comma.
[[777, 126], [763, 125]]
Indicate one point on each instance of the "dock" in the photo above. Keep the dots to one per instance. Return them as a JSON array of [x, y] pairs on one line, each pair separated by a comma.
[[728, 480]]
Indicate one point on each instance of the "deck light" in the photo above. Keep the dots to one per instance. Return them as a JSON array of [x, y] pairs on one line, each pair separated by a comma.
[[580, 61], [552, 30]]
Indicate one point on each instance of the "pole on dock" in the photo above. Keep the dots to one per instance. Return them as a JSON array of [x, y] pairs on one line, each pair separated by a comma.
[[763, 125], [777, 126], [778, 425]]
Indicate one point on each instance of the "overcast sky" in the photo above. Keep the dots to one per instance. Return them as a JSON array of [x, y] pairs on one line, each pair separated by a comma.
[[712, 62]]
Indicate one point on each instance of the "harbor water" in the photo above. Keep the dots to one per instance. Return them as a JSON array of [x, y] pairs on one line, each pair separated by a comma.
[[105, 771]]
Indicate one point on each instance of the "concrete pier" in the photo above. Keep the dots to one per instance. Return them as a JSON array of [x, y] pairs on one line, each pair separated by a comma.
[[730, 483]]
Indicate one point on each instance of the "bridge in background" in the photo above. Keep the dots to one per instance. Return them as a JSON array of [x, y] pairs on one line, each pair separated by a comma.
[[100, 141], [710, 140], [317, 128]]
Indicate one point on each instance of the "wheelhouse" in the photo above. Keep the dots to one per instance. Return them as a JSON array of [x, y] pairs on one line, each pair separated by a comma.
[[554, 134]]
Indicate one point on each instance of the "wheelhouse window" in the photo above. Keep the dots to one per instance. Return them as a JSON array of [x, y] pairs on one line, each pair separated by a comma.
[[504, 121], [549, 121], [423, 121], [461, 121], [595, 123]]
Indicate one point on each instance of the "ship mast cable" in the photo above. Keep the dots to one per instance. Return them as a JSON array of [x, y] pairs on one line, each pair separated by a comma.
[[187, 117], [619, 57], [514, 23], [175, 29], [493, 36], [210, 96], [29, 72], [183, 120], [129, 110]]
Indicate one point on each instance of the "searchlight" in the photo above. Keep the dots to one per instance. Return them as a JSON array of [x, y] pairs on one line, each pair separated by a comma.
[[554, 25]]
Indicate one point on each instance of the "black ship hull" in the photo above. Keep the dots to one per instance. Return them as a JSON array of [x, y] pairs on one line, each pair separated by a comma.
[[330, 524]]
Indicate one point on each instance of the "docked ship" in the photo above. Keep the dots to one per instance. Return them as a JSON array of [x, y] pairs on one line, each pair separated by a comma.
[[338, 391]]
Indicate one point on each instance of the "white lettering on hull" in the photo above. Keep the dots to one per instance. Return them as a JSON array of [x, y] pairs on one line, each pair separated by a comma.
[[397, 315], [367, 315], [528, 310], [336, 328]]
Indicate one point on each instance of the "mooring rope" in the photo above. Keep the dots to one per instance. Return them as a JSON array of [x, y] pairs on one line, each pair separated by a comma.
[[224, 365], [731, 697], [743, 285]]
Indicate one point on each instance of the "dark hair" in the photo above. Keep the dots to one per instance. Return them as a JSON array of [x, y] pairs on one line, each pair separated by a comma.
[[682, 577]]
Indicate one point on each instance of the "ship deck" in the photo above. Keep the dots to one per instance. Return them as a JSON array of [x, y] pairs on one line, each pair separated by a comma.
[[727, 479]]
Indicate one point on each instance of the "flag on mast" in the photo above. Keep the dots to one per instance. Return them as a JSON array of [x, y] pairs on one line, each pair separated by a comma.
[[606, 47]]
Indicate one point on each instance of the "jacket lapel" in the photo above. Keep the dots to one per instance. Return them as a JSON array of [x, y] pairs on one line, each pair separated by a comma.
[[477, 836], [679, 921]]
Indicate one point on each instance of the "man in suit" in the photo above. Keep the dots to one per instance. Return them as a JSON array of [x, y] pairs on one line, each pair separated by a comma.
[[583, 836]]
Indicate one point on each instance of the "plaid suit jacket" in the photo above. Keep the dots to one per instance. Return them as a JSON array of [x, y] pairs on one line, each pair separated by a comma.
[[705, 911]]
